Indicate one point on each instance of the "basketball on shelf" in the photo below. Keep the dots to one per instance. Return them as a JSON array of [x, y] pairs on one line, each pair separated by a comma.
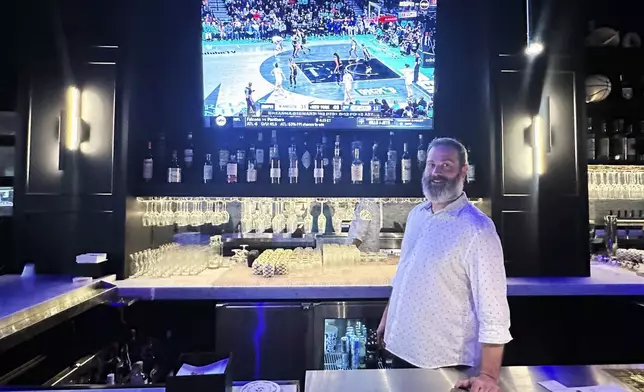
[[603, 36], [597, 88]]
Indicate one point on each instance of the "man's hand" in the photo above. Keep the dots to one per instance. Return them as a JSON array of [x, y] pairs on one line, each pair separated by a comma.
[[482, 383]]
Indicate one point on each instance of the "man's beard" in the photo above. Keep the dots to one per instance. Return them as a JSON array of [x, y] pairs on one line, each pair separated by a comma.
[[443, 191]]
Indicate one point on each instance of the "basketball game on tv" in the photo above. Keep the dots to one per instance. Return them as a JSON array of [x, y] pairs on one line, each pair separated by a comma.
[[348, 64]]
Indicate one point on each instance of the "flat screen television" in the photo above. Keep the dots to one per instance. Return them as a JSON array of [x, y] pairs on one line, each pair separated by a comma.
[[350, 64]]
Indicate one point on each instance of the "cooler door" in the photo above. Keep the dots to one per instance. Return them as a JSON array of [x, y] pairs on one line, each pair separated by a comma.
[[344, 335]]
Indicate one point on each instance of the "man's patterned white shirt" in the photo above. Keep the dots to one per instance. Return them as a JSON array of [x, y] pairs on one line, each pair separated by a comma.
[[449, 292]]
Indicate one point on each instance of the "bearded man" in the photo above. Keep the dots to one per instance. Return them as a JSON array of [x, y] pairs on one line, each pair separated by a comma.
[[448, 306]]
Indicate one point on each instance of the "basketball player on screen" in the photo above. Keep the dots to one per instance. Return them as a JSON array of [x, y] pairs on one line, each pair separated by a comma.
[[354, 48], [338, 67], [408, 74], [293, 77], [303, 42], [279, 79], [250, 102], [296, 44], [277, 40], [348, 86]]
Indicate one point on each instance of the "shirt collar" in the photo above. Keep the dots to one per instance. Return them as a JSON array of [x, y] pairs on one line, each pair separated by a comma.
[[452, 208]]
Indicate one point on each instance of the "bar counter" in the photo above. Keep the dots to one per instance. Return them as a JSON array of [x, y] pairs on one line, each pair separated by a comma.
[[516, 378], [361, 282], [513, 379]]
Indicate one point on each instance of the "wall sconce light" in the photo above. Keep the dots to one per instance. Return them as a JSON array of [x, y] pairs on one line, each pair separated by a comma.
[[534, 47], [69, 125], [73, 121]]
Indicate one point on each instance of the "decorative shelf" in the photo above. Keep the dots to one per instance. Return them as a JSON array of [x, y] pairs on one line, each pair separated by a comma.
[[279, 190], [594, 164]]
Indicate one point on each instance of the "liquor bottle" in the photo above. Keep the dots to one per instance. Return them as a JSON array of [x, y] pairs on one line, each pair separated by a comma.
[[405, 166], [275, 169], [421, 153], [148, 164], [640, 143], [241, 153], [356, 167], [337, 161], [224, 157], [631, 144], [618, 140], [390, 165], [375, 165], [174, 170], [627, 88], [318, 165], [231, 170], [603, 152], [188, 152], [293, 163], [324, 143], [306, 155], [160, 155], [259, 151], [207, 169], [391, 146], [471, 168], [590, 141], [251, 166]]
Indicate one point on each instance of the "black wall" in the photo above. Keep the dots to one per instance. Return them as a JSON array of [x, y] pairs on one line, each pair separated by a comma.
[[145, 59]]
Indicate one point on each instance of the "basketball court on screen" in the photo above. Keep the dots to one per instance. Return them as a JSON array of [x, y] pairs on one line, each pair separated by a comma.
[[229, 67]]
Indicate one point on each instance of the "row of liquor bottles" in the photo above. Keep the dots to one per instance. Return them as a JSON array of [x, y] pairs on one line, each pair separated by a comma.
[[615, 140], [248, 164]]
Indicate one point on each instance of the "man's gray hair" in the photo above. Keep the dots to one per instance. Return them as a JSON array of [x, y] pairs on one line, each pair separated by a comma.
[[453, 144]]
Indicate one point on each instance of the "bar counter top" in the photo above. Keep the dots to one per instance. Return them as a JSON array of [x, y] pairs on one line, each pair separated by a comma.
[[516, 378], [359, 282]]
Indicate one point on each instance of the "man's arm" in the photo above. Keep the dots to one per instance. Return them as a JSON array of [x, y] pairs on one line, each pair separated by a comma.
[[491, 358], [489, 290]]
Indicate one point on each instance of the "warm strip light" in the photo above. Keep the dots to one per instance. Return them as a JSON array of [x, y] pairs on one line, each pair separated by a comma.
[[539, 145], [72, 124]]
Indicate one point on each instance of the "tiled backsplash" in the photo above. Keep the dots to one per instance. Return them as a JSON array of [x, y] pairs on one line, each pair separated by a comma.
[[597, 209], [394, 215]]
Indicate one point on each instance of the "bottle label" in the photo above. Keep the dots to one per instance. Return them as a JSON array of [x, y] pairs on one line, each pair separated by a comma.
[[421, 155], [251, 174], [306, 159], [406, 170], [207, 172], [471, 173], [187, 156], [375, 173], [259, 155], [224, 157], [275, 173], [318, 173], [604, 148], [337, 170], [147, 169], [231, 169], [356, 173], [174, 174], [627, 92], [630, 147], [591, 148], [292, 172], [241, 156]]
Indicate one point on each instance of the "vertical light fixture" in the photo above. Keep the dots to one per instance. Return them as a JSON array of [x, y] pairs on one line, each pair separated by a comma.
[[534, 47], [72, 118]]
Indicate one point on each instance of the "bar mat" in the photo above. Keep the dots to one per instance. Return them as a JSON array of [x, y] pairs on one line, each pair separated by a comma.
[[633, 378]]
